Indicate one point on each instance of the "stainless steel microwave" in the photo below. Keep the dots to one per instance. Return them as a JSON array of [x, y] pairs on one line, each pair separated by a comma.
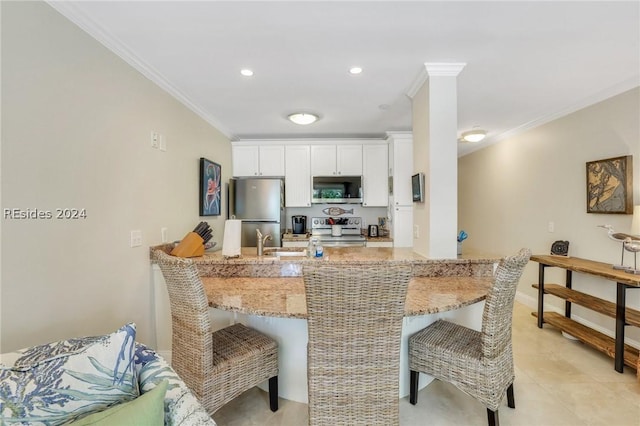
[[336, 190]]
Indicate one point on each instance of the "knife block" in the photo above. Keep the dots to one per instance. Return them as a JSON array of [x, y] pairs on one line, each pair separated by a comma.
[[192, 245]]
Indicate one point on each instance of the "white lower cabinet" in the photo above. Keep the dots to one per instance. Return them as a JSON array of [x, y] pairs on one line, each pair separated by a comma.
[[379, 244], [402, 226]]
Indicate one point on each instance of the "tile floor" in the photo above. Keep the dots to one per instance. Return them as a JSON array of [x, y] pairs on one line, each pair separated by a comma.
[[558, 382]]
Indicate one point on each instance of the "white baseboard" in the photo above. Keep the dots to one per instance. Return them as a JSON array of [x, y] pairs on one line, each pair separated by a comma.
[[532, 302]]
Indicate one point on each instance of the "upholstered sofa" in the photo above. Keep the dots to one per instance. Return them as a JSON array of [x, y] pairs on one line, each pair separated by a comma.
[[79, 379]]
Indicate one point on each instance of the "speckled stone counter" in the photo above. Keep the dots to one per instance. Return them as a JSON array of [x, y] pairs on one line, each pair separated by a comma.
[[251, 265], [285, 297], [267, 293]]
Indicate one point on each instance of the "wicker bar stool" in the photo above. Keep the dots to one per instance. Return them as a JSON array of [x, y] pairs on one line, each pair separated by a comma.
[[478, 363], [217, 366], [354, 316]]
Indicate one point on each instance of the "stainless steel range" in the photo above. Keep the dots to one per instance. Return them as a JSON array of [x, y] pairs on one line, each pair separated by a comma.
[[338, 231]]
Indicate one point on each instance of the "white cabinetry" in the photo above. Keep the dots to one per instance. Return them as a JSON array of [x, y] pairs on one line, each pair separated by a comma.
[[329, 160], [297, 176], [258, 160], [401, 170], [402, 226], [375, 180], [400, 201], [379, 243]]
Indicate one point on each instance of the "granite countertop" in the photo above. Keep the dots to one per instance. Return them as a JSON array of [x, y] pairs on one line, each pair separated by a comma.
[[214, 264], [285, 297]]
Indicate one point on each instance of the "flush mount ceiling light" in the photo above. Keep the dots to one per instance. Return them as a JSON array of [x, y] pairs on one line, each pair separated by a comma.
[[475, 135], [246, 72], [355, 70], [303, 118]]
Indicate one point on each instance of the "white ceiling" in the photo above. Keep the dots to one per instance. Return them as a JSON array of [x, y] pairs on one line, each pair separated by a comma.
[[527, 62]]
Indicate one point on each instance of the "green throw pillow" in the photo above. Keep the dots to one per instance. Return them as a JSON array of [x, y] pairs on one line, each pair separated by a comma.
[[145, 410]]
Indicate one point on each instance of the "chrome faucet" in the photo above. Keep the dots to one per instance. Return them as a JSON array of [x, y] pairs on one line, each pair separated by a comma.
[[261, 241]]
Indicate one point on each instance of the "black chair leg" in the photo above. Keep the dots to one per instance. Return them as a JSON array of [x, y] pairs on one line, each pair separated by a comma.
[[492, 416], [273, 393], [511, 402], [413, 387]]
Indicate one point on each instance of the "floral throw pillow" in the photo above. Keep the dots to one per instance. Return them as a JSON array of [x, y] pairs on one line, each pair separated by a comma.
[[59, 382]]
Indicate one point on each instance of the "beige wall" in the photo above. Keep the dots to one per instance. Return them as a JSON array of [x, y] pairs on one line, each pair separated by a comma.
[[509, 192], [76, 134], [421, 158]]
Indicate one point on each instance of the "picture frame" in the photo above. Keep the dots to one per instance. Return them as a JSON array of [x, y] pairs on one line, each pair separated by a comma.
[[609, 185], [210, 188]]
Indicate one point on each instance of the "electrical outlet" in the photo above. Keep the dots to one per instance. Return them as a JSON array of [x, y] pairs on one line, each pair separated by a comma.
[[551, 227], [155, 140], [165, 234], [416, 231], [136, 238]]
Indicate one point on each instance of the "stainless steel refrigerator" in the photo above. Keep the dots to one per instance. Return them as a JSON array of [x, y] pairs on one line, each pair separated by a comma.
[[259, 203]]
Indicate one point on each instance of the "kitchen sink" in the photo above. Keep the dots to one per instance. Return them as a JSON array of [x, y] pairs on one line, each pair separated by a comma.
[[285, 251]]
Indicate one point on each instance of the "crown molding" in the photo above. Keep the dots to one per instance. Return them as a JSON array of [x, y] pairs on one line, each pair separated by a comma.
[[70, 11], [444, 69], [434, 69]]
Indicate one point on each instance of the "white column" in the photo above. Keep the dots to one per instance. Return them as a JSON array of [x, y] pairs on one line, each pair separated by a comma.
[[435, 142]]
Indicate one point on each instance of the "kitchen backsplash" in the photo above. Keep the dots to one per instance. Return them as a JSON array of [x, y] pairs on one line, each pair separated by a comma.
[[369, 215]]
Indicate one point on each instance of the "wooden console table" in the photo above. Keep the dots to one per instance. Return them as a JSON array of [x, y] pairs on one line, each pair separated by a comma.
[[623, 354]]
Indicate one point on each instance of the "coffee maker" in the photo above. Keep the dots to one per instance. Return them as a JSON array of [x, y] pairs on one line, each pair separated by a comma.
[[299, 224]]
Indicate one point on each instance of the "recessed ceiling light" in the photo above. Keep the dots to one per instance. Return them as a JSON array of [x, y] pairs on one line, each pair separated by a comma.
[[475, 135], [246, 72], [303, 118], [355, 70]]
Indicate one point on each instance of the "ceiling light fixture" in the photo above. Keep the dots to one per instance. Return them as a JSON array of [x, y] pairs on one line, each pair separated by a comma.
[[475, 135], [355, 70], [246, 72], [303, 118]]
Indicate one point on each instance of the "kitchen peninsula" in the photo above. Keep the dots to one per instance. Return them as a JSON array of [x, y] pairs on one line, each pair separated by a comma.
[[267, 293]]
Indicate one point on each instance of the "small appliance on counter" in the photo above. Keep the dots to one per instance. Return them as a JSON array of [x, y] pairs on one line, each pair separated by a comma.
[[299, 224], [373, 230]]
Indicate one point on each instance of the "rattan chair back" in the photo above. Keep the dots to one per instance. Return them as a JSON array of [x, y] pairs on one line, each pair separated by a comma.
[[191, 343], [355, 318], [497, 315], [216, 365]]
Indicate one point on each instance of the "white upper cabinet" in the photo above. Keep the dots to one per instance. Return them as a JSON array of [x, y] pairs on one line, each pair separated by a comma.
[[401, 152], [258, 160], [330, 160], [375, 178], [297, 177]]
